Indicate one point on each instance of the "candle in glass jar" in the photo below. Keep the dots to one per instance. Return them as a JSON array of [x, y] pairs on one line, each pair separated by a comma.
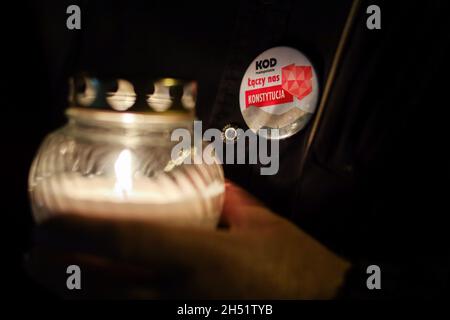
[[163, 199]]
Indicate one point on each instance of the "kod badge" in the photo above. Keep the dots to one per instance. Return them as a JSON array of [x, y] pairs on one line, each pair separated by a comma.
[[279, 91]]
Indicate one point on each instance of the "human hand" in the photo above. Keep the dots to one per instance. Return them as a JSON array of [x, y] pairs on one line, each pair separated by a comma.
[[258, 255]]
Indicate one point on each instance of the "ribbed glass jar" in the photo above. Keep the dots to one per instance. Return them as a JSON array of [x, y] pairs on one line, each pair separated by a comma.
[[119, 165]]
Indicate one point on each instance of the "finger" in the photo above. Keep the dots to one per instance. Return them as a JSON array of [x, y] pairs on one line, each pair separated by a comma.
[[98, 277], [181, 259], [134, 241], [242, 211]]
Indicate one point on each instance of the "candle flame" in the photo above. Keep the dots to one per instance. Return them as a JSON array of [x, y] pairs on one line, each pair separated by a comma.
[[122, 167]]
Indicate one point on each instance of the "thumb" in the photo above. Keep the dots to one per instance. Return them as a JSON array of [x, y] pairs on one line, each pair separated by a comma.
[[241, 210]]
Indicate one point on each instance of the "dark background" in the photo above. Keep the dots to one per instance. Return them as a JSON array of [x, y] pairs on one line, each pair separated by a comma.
[[388, 118]]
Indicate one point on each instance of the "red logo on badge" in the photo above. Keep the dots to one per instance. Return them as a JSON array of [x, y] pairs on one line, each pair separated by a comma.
[[297, 80], [268, 96]]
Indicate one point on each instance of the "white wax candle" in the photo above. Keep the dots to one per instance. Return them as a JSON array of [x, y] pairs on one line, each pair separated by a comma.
[[172, 200]]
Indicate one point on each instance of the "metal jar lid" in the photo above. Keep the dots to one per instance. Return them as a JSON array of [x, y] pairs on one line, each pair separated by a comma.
[[164, 97]]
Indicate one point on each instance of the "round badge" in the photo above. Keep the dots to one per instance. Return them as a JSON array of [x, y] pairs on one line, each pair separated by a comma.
[[280, 91]]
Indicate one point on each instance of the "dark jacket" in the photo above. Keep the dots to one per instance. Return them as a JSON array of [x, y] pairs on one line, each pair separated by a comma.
[[373, 184]]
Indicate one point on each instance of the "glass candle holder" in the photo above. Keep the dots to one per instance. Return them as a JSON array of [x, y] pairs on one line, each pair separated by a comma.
[[116, 161]]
